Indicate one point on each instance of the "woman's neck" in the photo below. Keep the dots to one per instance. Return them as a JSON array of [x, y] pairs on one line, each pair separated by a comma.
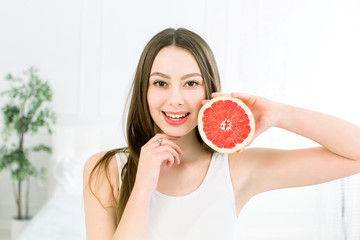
[[193, 149]]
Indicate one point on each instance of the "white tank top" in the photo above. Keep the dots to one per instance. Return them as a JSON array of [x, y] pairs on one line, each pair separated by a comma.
[[206, 213]]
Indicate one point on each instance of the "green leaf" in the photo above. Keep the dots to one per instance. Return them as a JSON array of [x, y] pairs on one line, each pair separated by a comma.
[[42, 147], [8, 77], [10, 110]]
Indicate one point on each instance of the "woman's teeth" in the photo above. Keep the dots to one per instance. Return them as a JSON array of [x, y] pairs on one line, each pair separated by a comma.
[[176, 117]]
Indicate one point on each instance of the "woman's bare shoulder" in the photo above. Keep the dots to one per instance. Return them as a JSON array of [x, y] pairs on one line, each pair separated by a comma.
[[99, 176], [113, 162], [92, 161]]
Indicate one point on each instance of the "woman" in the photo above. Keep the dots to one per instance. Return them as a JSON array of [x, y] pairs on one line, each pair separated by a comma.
[[168, 185]]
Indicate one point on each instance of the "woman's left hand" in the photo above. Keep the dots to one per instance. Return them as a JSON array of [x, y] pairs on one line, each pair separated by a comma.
[[265, 112]]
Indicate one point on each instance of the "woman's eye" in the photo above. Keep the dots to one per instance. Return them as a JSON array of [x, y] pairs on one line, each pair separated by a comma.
[[192, 83], [160, 83]]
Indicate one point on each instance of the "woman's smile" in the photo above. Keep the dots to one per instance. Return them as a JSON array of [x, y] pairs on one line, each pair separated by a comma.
[[176, 118]]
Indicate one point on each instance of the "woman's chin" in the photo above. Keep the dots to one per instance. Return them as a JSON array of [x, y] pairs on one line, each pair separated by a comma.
[[177, 133], [174, 132]]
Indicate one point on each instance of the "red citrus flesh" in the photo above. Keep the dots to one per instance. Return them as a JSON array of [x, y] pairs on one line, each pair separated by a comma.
[[226, 124]]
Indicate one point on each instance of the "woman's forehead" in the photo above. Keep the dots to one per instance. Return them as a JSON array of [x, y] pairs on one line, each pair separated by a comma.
[[174, 60]]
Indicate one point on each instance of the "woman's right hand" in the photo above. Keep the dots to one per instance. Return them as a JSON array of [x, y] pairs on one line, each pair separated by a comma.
[[152, 156]]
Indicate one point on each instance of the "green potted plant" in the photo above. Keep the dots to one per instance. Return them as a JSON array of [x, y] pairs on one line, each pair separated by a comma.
[[25, 111]]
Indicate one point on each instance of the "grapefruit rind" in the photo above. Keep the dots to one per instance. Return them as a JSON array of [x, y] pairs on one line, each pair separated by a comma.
[[238, 146]]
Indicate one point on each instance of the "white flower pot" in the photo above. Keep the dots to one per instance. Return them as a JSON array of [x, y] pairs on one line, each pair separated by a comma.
[[17, 226]]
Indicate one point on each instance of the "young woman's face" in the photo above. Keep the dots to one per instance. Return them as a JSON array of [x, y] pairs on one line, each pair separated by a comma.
[[176, 89]]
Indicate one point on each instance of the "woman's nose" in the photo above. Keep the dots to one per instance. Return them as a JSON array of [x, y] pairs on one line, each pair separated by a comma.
[[175, 97]]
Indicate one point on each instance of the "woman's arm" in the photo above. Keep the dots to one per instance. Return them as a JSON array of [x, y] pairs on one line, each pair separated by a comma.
[[338, 156], [134, 222], [100, 210], [337, 135], [100, 214]]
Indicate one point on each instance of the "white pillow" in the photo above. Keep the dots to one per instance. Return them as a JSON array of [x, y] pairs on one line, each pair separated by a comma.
[[72, 147]]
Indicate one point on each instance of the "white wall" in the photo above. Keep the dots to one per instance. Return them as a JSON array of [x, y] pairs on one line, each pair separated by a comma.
[[304, 53]]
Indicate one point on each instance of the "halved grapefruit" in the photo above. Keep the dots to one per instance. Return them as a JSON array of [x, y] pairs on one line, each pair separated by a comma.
[[226, 124]]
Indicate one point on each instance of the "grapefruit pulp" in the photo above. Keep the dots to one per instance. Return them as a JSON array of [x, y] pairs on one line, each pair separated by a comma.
[[226, 124]]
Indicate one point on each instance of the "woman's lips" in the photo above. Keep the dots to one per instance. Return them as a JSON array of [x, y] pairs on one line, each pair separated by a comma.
[[175, 118]]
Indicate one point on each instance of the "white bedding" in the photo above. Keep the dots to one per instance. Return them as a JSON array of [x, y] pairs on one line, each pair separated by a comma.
[[61, 218]]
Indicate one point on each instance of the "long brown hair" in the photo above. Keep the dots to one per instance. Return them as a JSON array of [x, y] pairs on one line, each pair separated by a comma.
[[140, 125]]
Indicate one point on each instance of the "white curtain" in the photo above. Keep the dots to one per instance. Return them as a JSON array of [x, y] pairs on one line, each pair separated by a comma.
[[339, 209]]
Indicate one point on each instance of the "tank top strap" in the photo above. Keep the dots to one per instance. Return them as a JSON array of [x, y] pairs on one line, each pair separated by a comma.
[[121, 159], [228, 175], [221, 165], [221, 161]]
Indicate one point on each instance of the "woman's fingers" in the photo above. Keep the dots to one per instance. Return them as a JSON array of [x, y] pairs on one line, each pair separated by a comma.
[[174, 155], [162, 136], [241, 95], [217, 94], [153, 154], [246, 98], [167, 158], [249, 99], [170, 161], [213, 95], [165, 143]]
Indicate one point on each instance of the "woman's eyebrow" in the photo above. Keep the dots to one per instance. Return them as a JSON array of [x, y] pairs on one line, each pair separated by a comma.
[[191, 75], [160, 74], [182, 78]]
